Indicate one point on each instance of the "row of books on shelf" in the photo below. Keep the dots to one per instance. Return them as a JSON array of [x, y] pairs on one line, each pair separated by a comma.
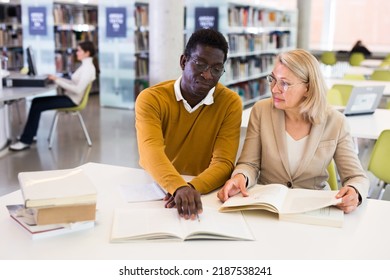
[[70, 39], [11, 38], [141, 41], [141, 15], [65, 62], [241, 68], [250, 42], [14, 59], [251, 90], [141, 66], [74, 15], [257, 17]]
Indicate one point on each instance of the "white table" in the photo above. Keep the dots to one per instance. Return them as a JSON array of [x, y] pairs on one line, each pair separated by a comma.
[[357, 83], [362, 126], [363, 236], [374, 63]]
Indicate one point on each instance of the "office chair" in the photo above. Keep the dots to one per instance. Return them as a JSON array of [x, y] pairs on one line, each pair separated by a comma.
[[381, 75], [332, 180], [76, 110], [328, 58], [333, 96], [354, 77], [345, 91], [356, 58], [380, 160]]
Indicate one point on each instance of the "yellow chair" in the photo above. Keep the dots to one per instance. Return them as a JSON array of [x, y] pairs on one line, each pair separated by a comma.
[[332, 180], [345, 91], [356, 58], [333, 96], [75, 110], [380, 160], [354, 77], [381, 75], [328, 58]]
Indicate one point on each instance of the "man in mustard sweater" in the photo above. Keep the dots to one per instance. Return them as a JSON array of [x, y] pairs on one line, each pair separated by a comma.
[[190, 126]]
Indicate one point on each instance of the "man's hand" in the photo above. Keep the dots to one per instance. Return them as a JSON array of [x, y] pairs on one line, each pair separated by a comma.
[[187, 201]]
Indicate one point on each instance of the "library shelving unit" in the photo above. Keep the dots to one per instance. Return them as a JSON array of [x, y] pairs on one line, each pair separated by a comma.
[[123, 52], [11, 44], [256, 34], [73, 23]]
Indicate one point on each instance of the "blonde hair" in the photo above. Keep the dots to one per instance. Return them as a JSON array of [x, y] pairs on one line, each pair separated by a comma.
[[307, 68]]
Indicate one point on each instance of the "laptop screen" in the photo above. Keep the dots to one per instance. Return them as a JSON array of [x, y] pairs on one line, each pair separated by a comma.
[[364, 100]]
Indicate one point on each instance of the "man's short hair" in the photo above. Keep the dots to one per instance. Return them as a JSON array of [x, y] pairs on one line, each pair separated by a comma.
[[206, 37]]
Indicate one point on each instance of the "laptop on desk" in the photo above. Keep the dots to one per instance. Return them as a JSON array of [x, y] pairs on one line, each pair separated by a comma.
[[364, 100]]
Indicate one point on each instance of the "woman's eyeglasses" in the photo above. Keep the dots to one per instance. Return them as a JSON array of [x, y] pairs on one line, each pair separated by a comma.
[[282, 85]]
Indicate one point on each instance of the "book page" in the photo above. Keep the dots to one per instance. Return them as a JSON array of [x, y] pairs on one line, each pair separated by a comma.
[[145, 224], [269, 197], [213, 224], [327, 216], [303, 200]]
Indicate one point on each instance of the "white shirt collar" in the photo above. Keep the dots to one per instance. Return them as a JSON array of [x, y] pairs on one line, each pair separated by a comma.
[[208, 100]]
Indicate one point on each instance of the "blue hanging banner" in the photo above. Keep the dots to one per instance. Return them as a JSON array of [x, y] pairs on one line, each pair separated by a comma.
[[206, 18], [37, 20], [116, 22]]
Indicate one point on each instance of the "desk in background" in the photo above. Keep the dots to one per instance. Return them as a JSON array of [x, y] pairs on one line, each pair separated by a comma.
[[363, 235], [357, 83], [362, 126], [9, 94], [373, 63]]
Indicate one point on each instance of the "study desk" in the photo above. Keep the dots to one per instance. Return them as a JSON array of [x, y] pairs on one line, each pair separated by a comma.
[[374, 63], [9, 94], [357, 83], [362, 126], [363, 236]]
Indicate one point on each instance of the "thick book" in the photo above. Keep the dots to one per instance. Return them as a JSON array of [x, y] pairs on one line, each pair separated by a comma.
[[51, 188], [156, 224], [59, 196], [296, 205], [25, 218]]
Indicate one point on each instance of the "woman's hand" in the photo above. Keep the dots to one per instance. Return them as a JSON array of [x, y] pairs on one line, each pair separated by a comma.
[[350, 199], [52, 77], [232, 187]]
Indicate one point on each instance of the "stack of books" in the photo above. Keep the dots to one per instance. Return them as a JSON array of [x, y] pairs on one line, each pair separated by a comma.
[[55, 202]]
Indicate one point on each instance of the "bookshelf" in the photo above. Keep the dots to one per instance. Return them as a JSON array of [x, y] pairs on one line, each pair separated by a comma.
[[256, 34], [11, 44], [124, 53], [73, 23]]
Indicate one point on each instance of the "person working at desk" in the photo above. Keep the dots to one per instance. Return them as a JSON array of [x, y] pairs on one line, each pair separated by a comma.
[[74, 91], [360, 48], [293, 136], [190, 126]]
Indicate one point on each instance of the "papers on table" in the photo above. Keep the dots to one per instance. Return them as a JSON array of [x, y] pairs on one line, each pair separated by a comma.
[[142, 192]]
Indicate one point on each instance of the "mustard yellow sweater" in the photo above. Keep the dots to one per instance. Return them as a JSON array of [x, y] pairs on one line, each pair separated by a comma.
[[173, 142]]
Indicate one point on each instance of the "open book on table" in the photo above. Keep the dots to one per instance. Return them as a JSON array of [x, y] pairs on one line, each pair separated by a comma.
[[151, 224], [295, 205]]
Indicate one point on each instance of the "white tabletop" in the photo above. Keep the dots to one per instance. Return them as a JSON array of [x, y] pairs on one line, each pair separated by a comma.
[[14, 93], [360, 237], [374, 63], [362, 126]]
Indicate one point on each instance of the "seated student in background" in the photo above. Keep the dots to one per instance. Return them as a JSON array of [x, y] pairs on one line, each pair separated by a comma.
[[190, 126], [359, 47], [74, 92], [293, 136]]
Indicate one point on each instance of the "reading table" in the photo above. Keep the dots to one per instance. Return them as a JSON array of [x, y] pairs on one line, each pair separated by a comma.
[[359, 238]]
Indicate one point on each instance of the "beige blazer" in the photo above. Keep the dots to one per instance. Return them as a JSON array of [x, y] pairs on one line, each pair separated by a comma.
[[264, 158]]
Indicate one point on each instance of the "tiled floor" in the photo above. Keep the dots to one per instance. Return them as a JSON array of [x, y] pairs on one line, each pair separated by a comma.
[[113, 142]]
